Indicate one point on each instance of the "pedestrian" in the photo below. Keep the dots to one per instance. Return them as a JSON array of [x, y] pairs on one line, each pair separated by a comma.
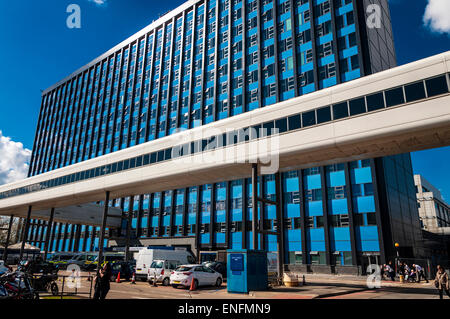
[[102, 284], [420, 273], [382, 271], [390, 272], [441, 282], [407, 271], [413, 275], [401, 268]]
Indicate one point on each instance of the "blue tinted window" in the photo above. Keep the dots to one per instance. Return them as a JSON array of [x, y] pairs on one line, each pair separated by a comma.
[[309, 118], [160, 156], [340, 111], [323, 115], [394, 97], [437, 86], [153, 157], [146, 159], [267, 128], [375, 102], [357, 106], [139, 161], [281, 125], [295, 122], [414, 92], [168, 154]]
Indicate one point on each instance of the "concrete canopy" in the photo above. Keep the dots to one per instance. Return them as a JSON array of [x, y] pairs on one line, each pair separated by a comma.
[[84, 214]]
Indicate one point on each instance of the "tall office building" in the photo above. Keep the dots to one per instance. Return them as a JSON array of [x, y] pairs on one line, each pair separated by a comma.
[[213, 59]]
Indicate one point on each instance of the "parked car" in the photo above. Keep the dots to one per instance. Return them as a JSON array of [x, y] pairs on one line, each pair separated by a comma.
[[200, 274], [60, 259], [161, 269], [146, 256], [126, 270], [84, 260], [218, 266], [109, 258]]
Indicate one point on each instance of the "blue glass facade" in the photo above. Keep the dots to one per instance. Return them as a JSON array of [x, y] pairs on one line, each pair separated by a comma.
[[214, 60]]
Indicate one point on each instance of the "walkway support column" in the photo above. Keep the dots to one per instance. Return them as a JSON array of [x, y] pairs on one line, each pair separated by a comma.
[[49, 232], [102, 233], [280, 225], [255, 205], [8, 235], [129, 221], [25, 232]]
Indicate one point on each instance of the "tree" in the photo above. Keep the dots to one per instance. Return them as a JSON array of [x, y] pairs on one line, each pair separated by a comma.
[[4, 224]]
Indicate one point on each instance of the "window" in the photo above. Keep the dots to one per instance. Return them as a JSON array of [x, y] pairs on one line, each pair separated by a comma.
[[340, 111], [319, 222], [281, 125], [414, 92], [368, 189], [371, 219], [323, 115], [294, 122], [394, 97], [347, 257], [359, 219], [309, 118], [295, 257], [436, 86], [357, 106], [375, 102]]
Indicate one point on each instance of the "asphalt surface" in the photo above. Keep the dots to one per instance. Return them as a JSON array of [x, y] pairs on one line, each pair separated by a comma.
[[316, 287]]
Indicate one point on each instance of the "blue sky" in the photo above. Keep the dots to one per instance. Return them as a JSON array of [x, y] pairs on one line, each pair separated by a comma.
[[38, 50]]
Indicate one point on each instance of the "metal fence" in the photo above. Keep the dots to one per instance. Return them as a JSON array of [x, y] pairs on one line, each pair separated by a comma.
[[70, 286]]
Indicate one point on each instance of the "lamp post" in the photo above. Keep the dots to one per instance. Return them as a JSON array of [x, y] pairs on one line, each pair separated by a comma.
[[397, 245]]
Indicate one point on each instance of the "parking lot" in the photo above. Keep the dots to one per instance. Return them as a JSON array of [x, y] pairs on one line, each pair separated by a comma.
[[316, 287]]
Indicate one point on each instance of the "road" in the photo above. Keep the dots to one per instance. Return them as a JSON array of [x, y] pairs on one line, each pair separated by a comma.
[[316, 287]]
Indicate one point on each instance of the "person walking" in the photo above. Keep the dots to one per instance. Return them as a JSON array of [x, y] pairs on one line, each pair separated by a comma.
[[441, 282], [390, 271], [420, 273], [102, 284]]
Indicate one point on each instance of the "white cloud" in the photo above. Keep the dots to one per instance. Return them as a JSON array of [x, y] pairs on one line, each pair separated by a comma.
[[99, 2], [14, 160], [437, 16]]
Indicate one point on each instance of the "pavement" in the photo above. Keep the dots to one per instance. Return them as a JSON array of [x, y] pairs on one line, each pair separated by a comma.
[[316, 287]]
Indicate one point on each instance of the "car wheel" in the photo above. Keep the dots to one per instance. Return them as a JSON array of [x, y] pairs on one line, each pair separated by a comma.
[[175, 286], [112, 279], [54, 289], [166, 281], [219, 282]]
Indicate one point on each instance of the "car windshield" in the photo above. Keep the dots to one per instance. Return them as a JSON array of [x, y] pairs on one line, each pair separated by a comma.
[[157, 264], [183, 268], [65, 257], [91, 257]]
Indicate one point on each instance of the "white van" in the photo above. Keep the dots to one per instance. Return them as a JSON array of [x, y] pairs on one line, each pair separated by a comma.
[[146, 257]]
